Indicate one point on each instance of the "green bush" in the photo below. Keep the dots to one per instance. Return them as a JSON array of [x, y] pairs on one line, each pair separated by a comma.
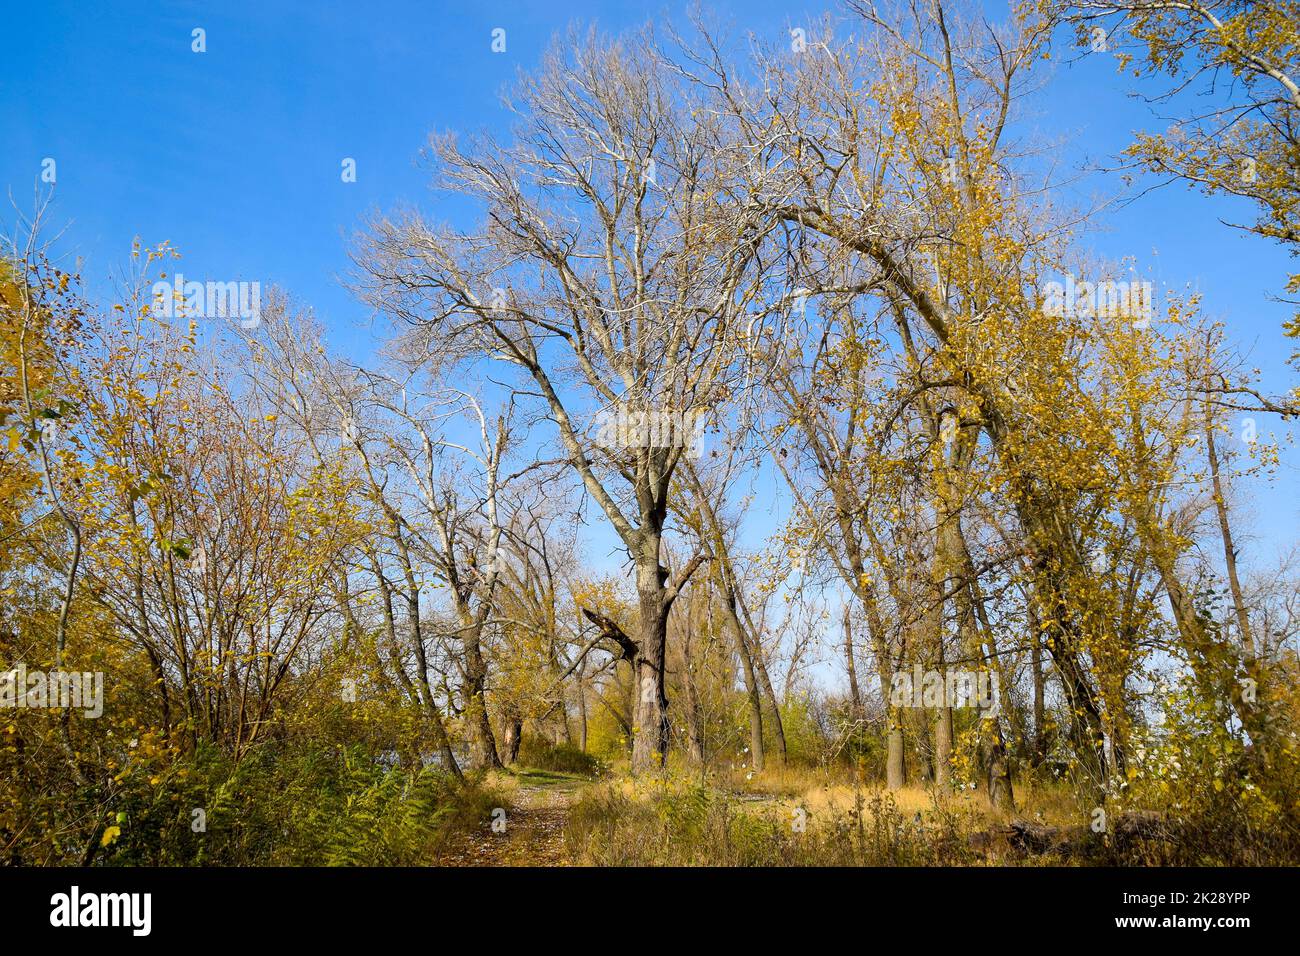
[[558, 758], [313, 808]]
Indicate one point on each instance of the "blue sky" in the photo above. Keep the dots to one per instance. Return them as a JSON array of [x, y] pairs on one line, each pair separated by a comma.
[[234, 154]]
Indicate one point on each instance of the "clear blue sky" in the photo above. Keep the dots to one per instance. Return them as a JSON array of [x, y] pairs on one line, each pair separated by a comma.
[[234, 155]]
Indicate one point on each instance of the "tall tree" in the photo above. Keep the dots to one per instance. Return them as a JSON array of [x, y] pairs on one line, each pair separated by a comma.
[[612, 269]]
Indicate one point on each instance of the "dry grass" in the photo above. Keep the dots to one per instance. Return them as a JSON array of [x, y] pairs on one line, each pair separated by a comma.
[[839, 816], [802, 816], [673, 821]]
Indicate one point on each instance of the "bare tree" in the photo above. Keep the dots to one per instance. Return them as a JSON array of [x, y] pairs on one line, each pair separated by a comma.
[[612, 271]]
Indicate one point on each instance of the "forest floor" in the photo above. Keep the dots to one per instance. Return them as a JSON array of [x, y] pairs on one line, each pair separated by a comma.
[[534, 824], [734, 822]]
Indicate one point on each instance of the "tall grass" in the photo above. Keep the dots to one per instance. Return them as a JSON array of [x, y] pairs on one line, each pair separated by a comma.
[[809, 817], [694, 825], [317, 807]]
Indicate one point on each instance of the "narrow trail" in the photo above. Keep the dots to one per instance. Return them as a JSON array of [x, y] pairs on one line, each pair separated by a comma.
[[534, 825]]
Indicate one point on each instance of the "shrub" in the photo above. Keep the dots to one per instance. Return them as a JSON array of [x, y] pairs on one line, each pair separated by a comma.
[[558, 758], [312, 808]]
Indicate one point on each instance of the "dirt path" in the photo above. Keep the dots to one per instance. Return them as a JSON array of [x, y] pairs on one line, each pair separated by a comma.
[[534, 825]]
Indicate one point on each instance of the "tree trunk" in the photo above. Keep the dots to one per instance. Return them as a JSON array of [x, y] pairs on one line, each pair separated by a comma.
[[895, 756], [582, 707], [752, 692], [1229, 549], [650, 701], [943, 715], [430, 701], [765, 684], [924, 751], [943, 744], [724, 577], [694, 728], [483, 745], [1039, 751], [514, 733], [979, 638], [855, 694], [1251, 719], [1001, 794]]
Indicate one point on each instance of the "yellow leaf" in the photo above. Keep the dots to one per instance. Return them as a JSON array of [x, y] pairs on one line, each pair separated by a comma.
[[110, 834]]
